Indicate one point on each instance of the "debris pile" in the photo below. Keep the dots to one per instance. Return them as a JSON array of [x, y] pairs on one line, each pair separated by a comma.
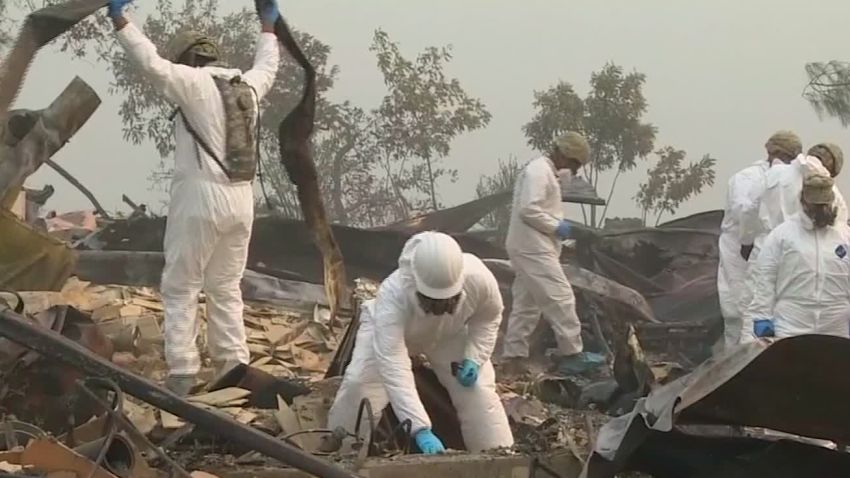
[[281, 393]]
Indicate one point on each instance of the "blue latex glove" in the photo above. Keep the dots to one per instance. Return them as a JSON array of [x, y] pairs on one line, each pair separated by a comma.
[[467, 374], [564, 230], [428, 442], [270, 12], [764, 328], [116, 8]]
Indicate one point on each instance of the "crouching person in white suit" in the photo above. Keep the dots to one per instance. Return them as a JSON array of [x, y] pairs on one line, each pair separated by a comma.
[[446, 305]]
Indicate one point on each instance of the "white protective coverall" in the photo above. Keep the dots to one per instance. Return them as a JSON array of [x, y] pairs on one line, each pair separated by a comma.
[[756, 221], [535, 252], [802, 281], [394, 327], [782, 200], [209, 218], [742, 198]]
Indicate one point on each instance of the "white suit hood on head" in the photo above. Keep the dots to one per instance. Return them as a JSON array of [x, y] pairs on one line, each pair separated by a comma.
[[802, 281]]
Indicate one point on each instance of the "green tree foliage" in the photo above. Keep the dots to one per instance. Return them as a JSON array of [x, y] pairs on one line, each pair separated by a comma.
[[376, 165], [671, 182], [828, 90], [417, 120], [611, 117], [503, 180], [557, 111]]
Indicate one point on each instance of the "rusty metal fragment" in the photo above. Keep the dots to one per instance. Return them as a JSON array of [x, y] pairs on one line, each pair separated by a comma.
[[453, 220]]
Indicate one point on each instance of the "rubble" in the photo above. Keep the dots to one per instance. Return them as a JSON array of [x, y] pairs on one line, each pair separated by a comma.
[[293, 344], [293, 341]]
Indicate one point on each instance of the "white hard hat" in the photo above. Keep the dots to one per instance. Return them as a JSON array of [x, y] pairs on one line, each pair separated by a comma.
[[438, 266]]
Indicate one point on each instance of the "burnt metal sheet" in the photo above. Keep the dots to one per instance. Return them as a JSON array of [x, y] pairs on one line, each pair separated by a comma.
[[453, 220], [790, 386], [652, 251], [460, 219], [30, 259], [31, 138], [674, 268], [368, 254], [579, 191], [137, 268], [707, 221]]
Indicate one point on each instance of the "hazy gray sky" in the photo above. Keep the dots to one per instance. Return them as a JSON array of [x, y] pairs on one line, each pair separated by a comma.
[[722, 75]]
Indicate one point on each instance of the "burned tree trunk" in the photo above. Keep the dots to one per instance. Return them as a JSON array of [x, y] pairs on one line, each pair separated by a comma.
[[31, 138]]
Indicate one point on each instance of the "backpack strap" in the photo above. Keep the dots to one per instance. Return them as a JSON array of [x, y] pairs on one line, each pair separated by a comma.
[[200, 142]]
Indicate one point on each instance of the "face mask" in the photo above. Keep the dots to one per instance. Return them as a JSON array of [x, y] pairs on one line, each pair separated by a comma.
[[565, 177]]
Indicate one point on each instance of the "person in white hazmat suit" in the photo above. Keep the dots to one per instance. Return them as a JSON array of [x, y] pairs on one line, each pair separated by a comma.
[[446, 305], [533, 243], [782, 199], [210, 214], [740, 227], [802, 274]]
